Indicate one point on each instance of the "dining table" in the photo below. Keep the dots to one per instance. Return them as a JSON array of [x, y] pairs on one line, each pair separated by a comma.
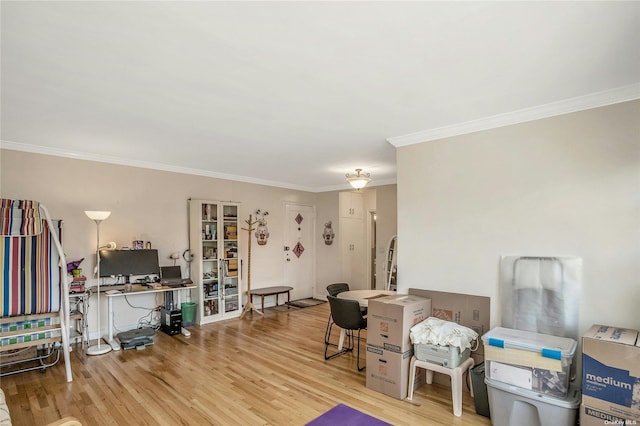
[[362, 297]]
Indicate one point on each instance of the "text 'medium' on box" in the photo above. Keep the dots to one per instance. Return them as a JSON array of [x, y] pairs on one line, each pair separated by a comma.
[[611, 371]]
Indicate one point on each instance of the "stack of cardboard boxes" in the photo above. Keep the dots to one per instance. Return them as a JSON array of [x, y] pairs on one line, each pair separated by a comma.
[[610, 376], [389, 349]]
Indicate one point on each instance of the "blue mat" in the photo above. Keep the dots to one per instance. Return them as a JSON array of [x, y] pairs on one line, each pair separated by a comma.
[[346, 416]]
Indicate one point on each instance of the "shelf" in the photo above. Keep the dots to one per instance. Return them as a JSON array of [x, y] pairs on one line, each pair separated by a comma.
[[209, 223]]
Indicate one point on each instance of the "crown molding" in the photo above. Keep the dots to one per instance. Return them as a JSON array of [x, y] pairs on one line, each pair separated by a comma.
[[36, 149], [566, 106]]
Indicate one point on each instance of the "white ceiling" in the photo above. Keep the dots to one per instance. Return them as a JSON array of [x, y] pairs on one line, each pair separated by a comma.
[[296, 94]]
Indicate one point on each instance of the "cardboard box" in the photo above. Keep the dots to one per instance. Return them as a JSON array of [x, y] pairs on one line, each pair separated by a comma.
[[464, 309], [590, 416], [388, 372], [611, 371], [390, 318]]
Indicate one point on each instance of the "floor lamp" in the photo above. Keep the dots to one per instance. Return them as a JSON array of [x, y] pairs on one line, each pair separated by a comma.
[[97, 217]]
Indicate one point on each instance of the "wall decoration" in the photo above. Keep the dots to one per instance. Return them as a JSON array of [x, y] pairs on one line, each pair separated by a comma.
[[328, 234], [298, 249], [262, 231]]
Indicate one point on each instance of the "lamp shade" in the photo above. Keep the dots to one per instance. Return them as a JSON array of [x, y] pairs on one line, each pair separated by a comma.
[[358, 180], [97, 215]]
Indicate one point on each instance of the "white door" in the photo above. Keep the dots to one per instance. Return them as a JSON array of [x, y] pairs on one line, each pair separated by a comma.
[[299, 255]]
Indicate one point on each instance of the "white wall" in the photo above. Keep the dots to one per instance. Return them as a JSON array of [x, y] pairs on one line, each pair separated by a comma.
[[328, 268], [146, 204], [565, 186], [151, 205]]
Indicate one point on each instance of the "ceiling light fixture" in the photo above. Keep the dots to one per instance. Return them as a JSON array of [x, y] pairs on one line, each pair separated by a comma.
[[358, 180]]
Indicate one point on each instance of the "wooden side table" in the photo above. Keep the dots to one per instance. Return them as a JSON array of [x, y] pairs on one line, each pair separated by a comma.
[[272, 291]]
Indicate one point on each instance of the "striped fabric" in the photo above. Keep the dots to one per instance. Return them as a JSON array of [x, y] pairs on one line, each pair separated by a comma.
[[20, 217], [28, 267]]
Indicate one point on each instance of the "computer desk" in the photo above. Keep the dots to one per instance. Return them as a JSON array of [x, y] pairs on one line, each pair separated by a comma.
[[135, 289]]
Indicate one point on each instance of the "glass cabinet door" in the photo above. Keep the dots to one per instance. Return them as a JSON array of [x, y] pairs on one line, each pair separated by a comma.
[[230, 262], [210, 283]]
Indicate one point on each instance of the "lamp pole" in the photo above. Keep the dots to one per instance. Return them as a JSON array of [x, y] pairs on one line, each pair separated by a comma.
[[97, 217]]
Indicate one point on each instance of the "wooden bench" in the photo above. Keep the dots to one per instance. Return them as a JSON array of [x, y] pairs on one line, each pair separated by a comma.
[[271, 291]]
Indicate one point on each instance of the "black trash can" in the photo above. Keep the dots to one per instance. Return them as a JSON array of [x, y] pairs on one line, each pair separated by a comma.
[[480, 390]]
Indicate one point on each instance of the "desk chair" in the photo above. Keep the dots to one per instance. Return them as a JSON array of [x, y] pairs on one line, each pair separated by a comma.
[[347, 315]]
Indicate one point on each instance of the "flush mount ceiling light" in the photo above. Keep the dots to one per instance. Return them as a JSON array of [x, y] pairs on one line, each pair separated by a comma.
[[358, 180]]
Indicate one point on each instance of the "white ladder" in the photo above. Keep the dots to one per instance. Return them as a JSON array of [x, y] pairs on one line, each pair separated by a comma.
[[391, 265]]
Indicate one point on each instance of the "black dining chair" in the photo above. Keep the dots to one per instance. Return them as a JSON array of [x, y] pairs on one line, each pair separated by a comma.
[[347, 315], [333, 289], [337, 288]]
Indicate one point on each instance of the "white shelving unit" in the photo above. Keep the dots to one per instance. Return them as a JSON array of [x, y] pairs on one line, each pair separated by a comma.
[[215, 269]]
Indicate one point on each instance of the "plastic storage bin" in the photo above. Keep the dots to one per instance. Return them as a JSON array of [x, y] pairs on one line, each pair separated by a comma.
[[532, 361], [512, 405], [554, 383], [447, 356]]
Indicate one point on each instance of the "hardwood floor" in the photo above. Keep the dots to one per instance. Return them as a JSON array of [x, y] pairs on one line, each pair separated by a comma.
[[256, 371]]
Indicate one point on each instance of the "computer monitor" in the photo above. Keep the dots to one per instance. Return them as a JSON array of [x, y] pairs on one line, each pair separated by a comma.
[[129, 262]]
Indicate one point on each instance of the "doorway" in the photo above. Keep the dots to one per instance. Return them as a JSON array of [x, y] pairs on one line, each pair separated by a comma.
[[372, 249], [299, 253]]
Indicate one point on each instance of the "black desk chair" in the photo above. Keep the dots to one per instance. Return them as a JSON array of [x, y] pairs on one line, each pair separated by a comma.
[[347, 315]]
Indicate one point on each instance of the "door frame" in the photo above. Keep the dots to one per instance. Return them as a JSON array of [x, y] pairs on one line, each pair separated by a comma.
[[370, 243], [314, 286]]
